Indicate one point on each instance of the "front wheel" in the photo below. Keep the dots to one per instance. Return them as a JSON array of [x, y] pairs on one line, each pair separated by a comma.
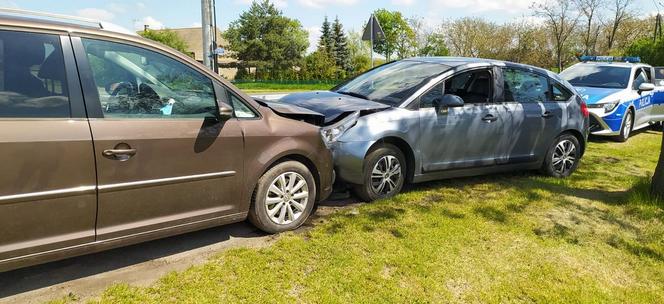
[[384, 174], [563, 157], [284, 198], [626, 130]]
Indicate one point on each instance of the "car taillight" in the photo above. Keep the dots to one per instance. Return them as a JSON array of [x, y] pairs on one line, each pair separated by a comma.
[[584, 109]]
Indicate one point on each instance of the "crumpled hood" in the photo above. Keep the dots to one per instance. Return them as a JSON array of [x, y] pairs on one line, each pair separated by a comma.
[[595, 95], [293, 112], [331, 104]]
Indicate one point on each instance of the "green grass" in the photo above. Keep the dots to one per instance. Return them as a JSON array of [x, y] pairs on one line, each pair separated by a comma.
[[266, 87], [596, 237]]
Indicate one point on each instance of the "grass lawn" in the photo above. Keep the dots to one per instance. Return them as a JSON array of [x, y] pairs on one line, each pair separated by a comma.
[[593, 238], [266, 87]]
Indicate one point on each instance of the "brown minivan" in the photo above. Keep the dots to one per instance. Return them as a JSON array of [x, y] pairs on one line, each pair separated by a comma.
[[108, 139]]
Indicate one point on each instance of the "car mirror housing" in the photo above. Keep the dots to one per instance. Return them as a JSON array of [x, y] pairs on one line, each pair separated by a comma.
[[448, 101], [644, 87], [225, 111]]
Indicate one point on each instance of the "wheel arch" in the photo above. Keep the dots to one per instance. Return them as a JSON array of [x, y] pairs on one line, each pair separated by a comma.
[[405, 148], [579, 136], [298, 158]]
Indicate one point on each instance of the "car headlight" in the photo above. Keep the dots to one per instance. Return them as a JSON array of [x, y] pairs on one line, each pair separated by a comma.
[[610, 106], [332, 133]]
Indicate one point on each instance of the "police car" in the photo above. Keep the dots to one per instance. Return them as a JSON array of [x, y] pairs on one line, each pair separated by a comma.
[[622, 94]]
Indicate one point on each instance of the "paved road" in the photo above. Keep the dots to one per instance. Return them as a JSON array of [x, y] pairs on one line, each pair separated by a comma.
[[141, 264]]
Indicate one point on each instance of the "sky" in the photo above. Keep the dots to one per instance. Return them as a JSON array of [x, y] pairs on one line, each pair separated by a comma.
[[133, 14]]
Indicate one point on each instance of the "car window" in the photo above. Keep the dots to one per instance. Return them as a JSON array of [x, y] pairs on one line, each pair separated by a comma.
[[472, 86], [525, 87], [240, 109], [137, 83], [597, 76], [428, 100], [560, 93], [32, 76], [640, 78], [659, 73]]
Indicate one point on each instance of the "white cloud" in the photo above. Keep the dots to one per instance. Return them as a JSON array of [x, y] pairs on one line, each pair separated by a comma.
[[314, 35], [95, 14], [510, 6], [196, 24], [150, 21], [403, 2], [325, 3], [117, 8]]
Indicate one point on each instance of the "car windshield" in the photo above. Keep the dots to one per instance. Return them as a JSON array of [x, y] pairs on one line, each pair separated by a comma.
[[612, 77], [392, 83]]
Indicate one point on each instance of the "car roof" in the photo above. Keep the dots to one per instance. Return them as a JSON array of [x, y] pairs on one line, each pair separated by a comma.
[[455, 62], [617, 64]]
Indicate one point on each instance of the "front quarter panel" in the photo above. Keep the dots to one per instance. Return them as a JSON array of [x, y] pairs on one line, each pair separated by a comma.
[[351, 148]]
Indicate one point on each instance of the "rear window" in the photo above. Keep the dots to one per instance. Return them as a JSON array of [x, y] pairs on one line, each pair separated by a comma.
[[610, 77], [32, 76]]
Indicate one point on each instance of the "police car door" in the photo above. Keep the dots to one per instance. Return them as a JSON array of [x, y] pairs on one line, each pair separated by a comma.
[[643, 100]]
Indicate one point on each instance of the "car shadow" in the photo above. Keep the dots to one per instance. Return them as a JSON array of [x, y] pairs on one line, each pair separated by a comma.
[[36, 277]]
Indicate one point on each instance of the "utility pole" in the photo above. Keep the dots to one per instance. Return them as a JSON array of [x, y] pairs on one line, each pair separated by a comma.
[[206, 18]]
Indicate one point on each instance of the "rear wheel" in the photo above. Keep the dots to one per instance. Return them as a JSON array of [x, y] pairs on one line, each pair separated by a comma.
[[563, 157], [384, 174], [284, 198], [626, 130]]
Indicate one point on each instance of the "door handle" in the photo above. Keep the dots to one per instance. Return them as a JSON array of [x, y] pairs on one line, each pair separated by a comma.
[[490, 118], [547, 114], [119, 154]]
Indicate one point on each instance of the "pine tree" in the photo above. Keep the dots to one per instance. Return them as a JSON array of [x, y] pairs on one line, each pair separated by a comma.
[[341, 51], [326, 42]]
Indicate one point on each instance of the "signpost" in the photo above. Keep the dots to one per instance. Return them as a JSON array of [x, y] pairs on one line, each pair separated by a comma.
[[372, 32]]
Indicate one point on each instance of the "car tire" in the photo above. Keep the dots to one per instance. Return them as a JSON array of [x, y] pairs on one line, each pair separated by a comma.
[[627, 127], [563, 157], [384, 174], [284, 198]]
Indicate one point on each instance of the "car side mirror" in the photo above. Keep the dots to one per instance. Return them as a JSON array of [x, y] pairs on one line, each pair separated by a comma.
[[225, 111], [447, 101], [645, 87]]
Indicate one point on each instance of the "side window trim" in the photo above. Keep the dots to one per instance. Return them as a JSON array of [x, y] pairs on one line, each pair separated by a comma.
[[76, 101], [88, 86]]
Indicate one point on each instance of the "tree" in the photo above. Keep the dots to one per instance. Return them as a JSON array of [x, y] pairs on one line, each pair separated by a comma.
[[399, 36], [326, 41], [262, 38], [319, 65], [620, 14], [341, 51], [167, 37], [560, 17], [657, 187], [590, 10], [427, 41], [650, 51], [359, 53]]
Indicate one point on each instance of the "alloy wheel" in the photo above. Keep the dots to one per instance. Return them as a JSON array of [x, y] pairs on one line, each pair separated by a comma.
[[386, 175], [564, 157], [287, 198], [628, 125]]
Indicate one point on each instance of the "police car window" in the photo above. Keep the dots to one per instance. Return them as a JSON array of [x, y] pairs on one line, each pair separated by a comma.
[[137, 83], [597, 76], [659, 73], [559, 93], [525, 87], [33, 82], [640, 78]]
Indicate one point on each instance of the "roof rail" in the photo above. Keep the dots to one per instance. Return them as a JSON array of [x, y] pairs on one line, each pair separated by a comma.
[[59, 17]]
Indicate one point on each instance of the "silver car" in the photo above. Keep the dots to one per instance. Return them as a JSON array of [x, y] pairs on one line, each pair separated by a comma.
[[422, 119]]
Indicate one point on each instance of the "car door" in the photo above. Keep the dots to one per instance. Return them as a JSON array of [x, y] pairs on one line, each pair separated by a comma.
[[535, 117], [643, 102], [163, 157], [658, 96], [47, 193], [461, 137]]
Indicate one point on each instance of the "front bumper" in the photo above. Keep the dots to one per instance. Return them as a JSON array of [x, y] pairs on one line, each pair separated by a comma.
[[603, 124], [349, 160]]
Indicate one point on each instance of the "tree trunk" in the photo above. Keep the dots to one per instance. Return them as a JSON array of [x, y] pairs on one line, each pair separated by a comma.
[[658, 180]]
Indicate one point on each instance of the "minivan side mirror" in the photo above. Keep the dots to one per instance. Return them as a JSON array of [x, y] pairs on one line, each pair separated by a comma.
[[645, 87], [225, 111], [447, 101]]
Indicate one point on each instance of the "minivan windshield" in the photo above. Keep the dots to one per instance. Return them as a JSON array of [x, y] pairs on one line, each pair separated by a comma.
[[391, 83], [610, 77]]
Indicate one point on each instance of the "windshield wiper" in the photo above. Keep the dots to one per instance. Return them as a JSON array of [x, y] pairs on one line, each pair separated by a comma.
[[354, 94]]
